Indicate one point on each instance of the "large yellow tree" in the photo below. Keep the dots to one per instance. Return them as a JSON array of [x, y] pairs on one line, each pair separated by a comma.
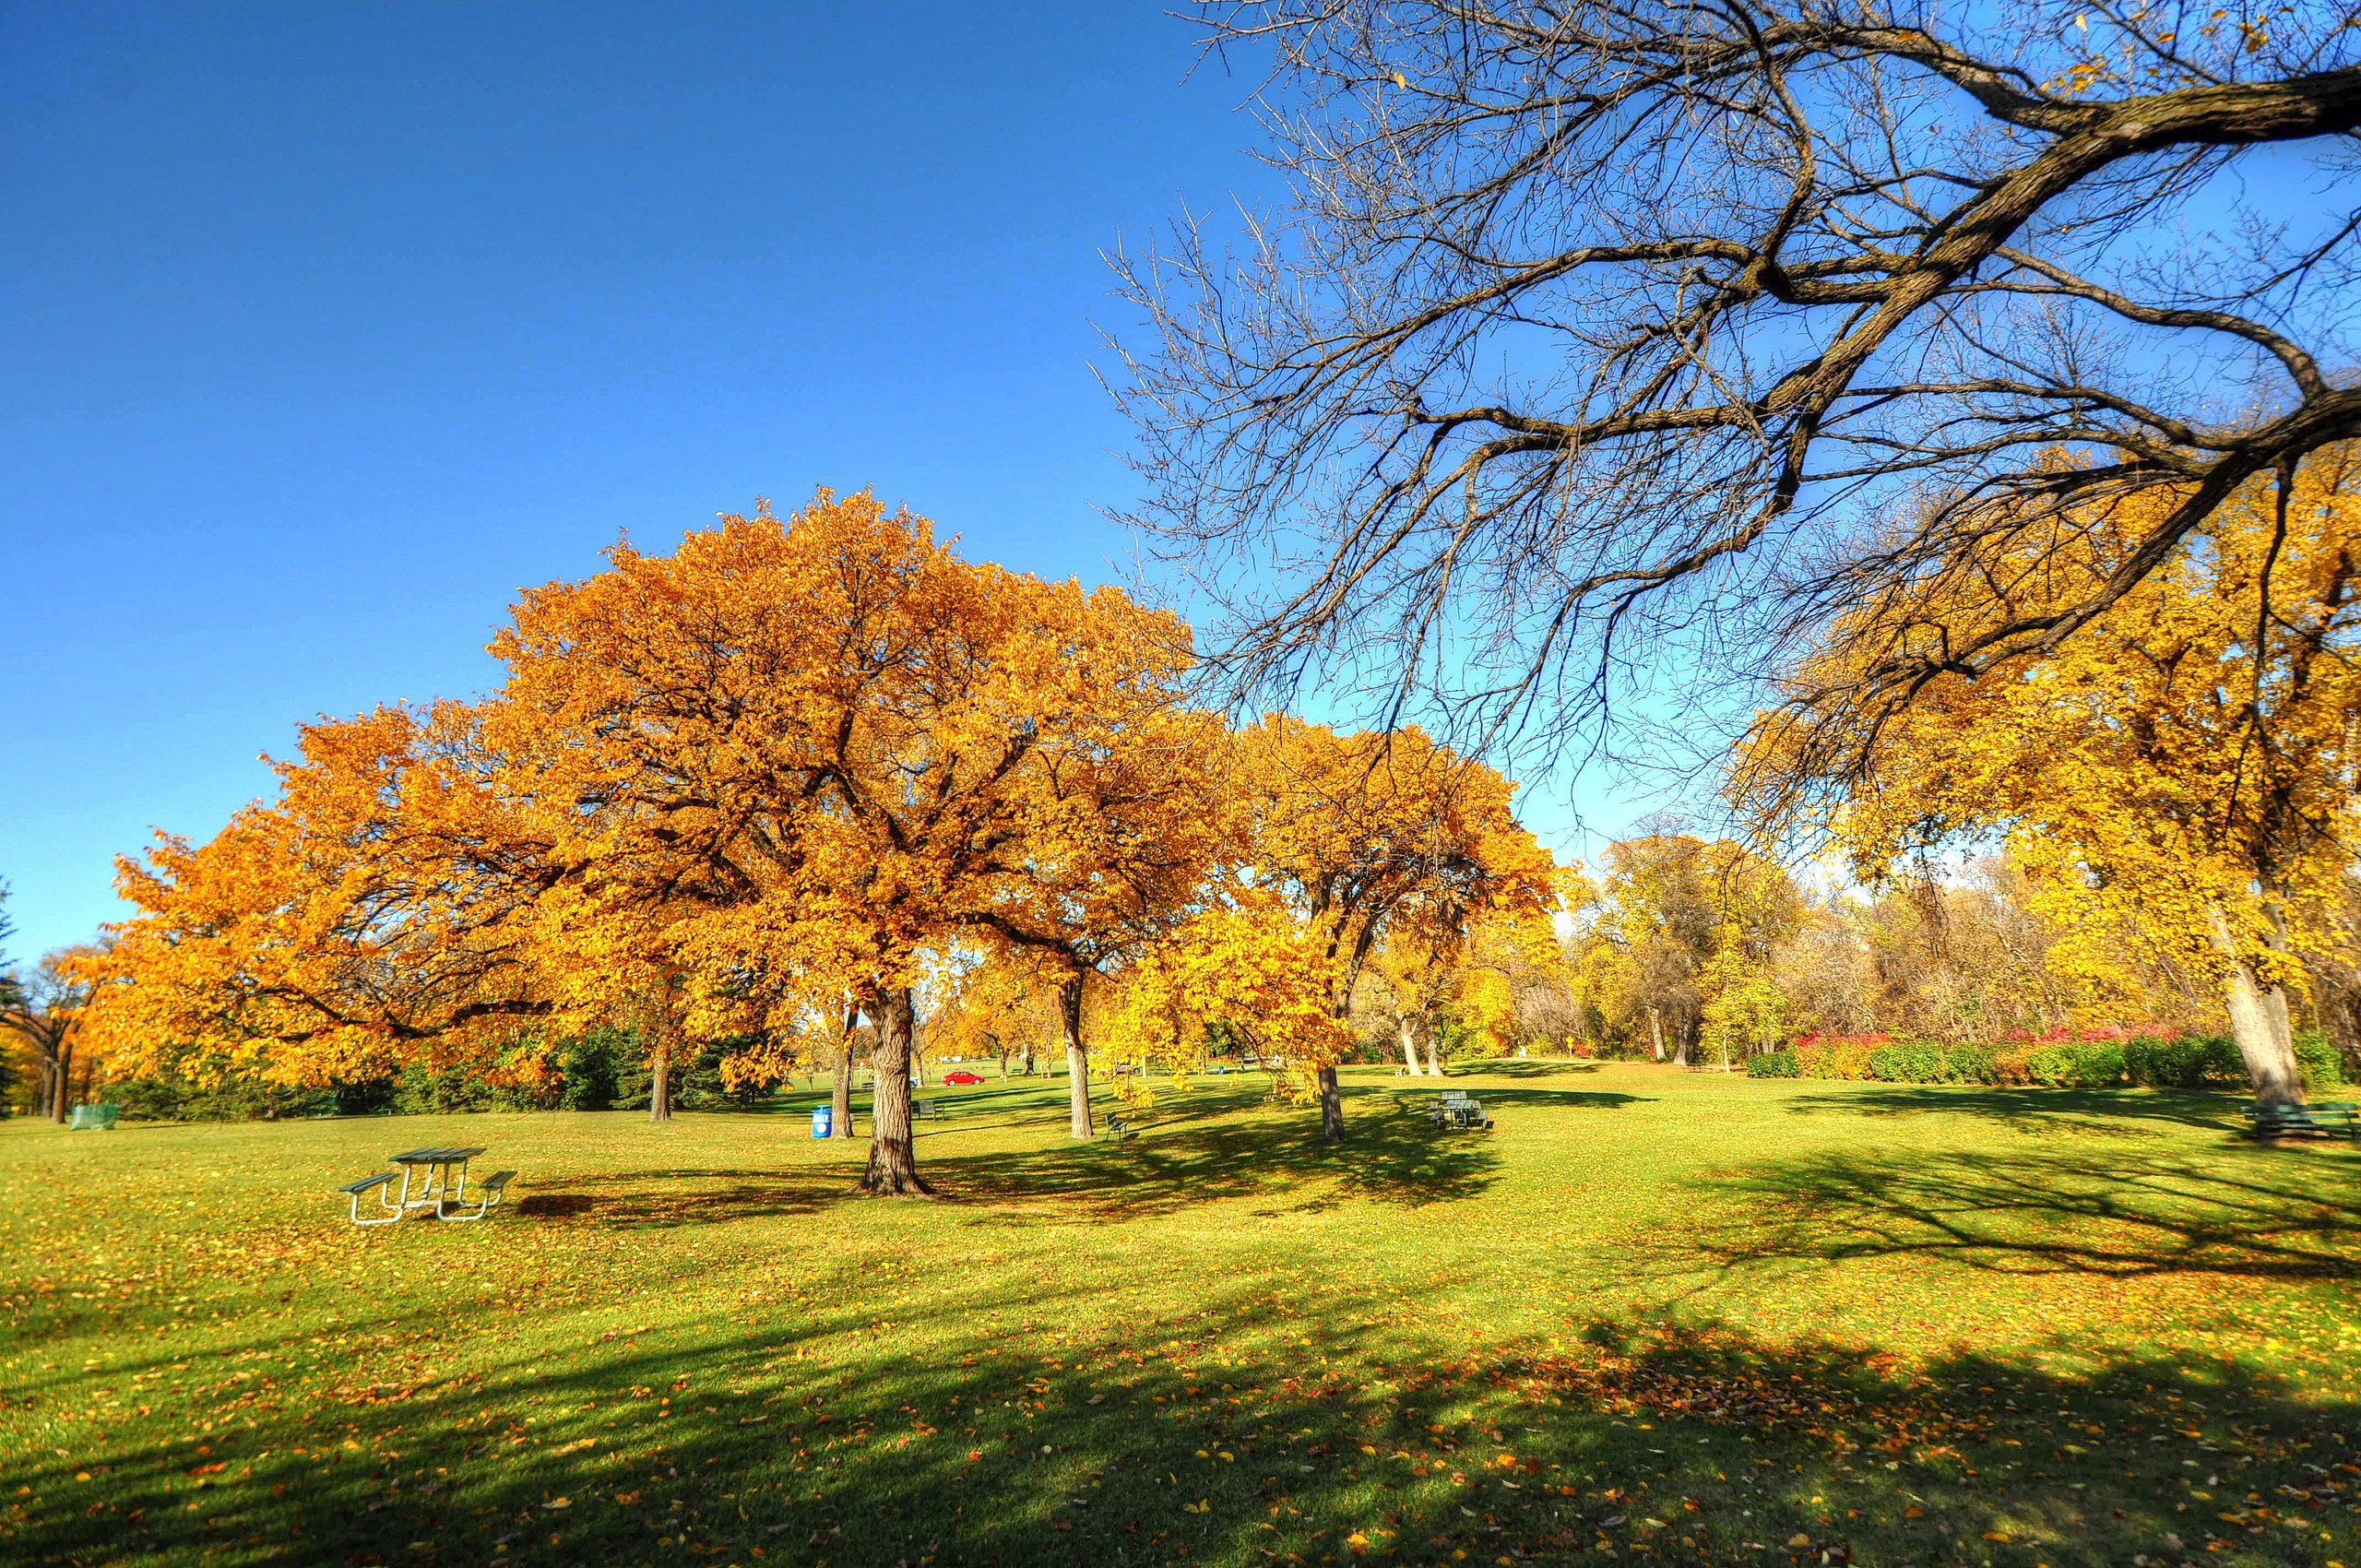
[[722, 791], [1362, 832], [2180, 771]]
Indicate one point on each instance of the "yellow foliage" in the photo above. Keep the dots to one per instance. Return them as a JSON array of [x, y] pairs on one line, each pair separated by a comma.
[[2179, 771]]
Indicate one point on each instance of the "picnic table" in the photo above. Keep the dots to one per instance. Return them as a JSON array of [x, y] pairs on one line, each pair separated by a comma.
[[2336, 1119], [439, 1178], [94, 1117], [1454, 1109]]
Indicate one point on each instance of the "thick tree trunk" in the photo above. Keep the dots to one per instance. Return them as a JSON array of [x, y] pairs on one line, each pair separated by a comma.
[[1655, 1027], [62, 1108], [1077, 1059], [892, 1157], [2259, 1023], [1409, 1035], [1434, 1053], [1331, 1108], [1680, 1051], [659, 1088]]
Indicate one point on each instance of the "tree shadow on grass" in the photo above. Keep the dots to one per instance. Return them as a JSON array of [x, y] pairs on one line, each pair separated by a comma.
[[660, 1199], [1492, 1093], [2122, 1112], [2266, 1218], [1202, 1433], [1512, 1068], [1186, 1158]]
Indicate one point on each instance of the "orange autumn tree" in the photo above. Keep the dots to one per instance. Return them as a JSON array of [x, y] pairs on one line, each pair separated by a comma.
[[377, 913], [720, 791], [1359, 833], [2181, 771], [856, 735], [1125, 816]]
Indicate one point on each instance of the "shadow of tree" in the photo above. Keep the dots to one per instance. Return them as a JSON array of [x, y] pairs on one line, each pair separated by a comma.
[[2123, 1214], [657, 1199], [1495, 1094], [1530, 1068], [1201, 1438], [1189, 1156], [2118, 1112]]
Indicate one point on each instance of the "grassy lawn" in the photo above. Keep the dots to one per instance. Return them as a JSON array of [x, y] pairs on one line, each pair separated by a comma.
[[1656, 1314]]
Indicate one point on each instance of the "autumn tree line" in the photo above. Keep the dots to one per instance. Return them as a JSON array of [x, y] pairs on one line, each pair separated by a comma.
[[768, 789], [750, 802]]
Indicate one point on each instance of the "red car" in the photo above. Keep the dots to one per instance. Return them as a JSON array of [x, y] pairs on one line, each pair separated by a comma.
[[962, 1076]]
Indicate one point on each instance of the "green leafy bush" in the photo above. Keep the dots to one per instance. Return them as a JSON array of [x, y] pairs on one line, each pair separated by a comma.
[[2183, 1062], [2317, 1059], [1773, 1064], [2095, 1066], [1972, 1064], [1910, 1062]]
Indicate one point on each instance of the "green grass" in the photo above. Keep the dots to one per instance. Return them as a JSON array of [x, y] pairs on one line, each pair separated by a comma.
[[1661, 1314]]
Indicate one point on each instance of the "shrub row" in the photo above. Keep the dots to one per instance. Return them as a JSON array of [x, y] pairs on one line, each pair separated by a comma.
[[2182, 1061]]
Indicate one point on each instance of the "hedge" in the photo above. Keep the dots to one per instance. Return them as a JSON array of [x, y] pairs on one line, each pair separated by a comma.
[[2185, 1062]]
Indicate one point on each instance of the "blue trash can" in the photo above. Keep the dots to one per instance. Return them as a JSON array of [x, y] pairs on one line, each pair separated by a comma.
[[823, 1121]]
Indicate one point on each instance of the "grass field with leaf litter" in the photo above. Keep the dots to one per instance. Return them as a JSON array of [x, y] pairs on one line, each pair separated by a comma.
[[1657, 1315]]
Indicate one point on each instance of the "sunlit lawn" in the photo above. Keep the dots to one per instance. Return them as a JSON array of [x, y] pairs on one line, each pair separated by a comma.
[[1657, 1313]]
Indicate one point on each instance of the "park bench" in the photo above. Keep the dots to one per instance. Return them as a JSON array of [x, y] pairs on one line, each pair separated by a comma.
[[925, 1108], [93, 1118], [2337, 1119]]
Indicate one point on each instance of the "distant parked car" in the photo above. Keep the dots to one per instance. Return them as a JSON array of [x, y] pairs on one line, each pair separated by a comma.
[[962, 1076]]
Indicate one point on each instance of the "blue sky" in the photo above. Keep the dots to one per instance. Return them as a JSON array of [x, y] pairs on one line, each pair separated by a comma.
[[330, 327]]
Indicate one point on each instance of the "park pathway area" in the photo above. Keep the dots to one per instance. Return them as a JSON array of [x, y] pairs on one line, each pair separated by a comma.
[[1653, 1315]]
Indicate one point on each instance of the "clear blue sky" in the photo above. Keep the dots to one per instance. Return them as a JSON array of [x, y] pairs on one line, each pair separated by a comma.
[[328, 327]]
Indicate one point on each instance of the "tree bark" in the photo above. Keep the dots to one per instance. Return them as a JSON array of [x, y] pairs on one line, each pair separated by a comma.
[[2259, 1023], [1655, 1027], [1684, 1043], [1434, 1054], [840, 1093], [1332, 1107], [659, 1088], [1078, 1059], [1409, 1044], [892, 1156], [62, 1083]]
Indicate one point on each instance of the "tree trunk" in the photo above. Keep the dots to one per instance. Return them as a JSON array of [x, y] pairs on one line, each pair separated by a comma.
[[840, 1093], [1332, 1107], [1077, 1059], [62, 1109], [2259, 1023], [1409, 1044], [659, 1088], [892, 1157], [1655, 1027], [1434, 1053], [1683, 1043]]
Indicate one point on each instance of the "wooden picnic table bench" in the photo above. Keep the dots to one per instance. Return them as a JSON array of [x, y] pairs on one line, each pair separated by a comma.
[[2335, 1118]]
